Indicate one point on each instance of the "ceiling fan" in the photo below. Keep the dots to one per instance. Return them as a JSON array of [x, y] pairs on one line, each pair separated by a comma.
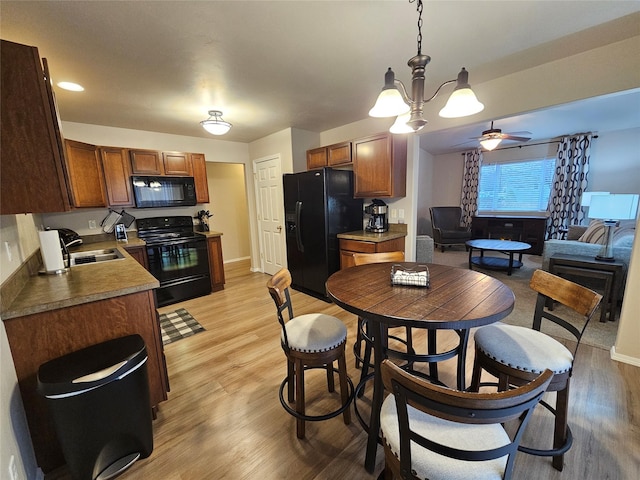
[[491, 138]]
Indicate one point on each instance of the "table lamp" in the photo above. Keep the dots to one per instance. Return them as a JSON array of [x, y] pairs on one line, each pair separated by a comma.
[[611, 209]]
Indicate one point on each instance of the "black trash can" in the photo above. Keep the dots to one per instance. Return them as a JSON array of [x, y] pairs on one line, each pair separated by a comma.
[[99, 400]]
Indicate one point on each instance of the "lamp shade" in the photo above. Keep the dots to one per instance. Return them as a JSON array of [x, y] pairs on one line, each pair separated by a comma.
[[585, 199], [215, 124], [622, 206]]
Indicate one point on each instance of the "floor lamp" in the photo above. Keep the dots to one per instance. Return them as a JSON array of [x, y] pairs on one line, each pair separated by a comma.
[[611, 209]]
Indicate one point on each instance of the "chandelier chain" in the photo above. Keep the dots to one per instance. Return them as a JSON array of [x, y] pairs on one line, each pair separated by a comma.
[[419, 9]]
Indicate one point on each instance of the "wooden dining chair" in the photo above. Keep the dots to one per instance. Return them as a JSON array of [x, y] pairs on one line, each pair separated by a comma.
[[314, 340], [516, 355], [434, 432], [361, 335]]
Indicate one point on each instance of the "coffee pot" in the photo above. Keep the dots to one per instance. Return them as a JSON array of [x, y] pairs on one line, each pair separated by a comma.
[[377, 212]]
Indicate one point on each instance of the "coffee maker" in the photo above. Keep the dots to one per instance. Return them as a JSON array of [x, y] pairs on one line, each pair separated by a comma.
[[377, 212]]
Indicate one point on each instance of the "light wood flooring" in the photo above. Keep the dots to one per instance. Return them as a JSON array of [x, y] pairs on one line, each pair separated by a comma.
[[223, 418]]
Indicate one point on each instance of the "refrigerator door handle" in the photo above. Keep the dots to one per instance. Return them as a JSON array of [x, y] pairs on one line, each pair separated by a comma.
[[298, 226]]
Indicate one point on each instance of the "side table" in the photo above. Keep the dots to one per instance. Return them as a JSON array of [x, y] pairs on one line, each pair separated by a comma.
[[589, 267]]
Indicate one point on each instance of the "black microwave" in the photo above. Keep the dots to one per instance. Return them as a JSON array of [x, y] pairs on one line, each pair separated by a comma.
[[154, 192]]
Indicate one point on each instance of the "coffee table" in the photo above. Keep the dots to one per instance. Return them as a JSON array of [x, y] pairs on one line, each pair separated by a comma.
[[507, 247]]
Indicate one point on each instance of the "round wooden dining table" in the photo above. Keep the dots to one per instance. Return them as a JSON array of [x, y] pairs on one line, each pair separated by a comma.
[[456, 299]]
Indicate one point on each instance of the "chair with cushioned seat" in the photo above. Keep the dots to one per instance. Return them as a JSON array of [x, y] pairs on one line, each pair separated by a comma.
[[447, 227], [516, 355], [313, 340], [434, 432]]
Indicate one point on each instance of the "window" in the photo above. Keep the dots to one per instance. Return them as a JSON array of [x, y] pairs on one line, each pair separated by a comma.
[[522, 187]]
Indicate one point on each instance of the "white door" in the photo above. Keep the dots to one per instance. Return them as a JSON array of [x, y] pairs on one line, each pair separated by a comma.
[[270, 208]]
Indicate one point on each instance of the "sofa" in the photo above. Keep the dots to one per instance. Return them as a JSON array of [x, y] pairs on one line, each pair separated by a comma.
[[587, 241]]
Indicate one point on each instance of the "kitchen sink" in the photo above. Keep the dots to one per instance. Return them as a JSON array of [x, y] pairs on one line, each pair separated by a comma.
[[94, 256]]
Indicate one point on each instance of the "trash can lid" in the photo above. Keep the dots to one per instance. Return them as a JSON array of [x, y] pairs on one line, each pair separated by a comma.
[[92, 366]]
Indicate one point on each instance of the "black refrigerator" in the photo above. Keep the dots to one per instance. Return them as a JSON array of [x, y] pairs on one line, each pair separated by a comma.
[[318, 205]]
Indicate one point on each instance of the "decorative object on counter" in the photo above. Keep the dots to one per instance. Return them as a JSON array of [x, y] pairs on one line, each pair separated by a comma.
[[417, 276], [113, 218], [121, 232], [215, 124], [203, 217], [177, 325], [394, 100]]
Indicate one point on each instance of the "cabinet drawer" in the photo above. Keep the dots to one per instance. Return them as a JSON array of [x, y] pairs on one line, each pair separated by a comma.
[[357, 246]]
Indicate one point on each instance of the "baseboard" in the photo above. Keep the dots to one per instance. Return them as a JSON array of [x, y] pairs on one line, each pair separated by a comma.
[[233, 260], [624, 358]]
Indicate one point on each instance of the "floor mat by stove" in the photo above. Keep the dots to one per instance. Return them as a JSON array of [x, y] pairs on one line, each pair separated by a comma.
[[177, 325]]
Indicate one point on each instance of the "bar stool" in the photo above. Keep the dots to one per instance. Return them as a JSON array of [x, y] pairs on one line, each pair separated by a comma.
[[309, 341]]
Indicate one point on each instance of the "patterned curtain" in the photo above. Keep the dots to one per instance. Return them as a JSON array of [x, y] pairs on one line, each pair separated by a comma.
[[569, 181], [470, 185]]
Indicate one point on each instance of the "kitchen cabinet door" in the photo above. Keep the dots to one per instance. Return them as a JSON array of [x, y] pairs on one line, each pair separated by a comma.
[[380, 166], [117, 173], [199, 168], [85, 175], [32, 170], [316, 158], [216, 266], [140, 254], [146, 162], [339, 154], [176, 163]]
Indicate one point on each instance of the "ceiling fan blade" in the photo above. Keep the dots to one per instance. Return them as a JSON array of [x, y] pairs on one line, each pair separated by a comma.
[[524, 133], [515, 138]]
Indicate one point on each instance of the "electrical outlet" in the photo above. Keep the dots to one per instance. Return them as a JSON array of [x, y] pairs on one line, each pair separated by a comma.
[[401, 213], [394, 213], [13, 469], [92, 224]]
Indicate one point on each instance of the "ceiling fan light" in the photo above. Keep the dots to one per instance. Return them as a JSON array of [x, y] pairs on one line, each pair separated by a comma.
[[215, 124], [461, 103], [490, 143], [401, 126]]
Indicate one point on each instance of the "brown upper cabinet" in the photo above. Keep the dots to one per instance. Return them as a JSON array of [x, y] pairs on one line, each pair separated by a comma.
[[117, 171], [199, 168], [176, 164], [380, 166], [85, 175], [32, 170], [146, 162], [335, 155]]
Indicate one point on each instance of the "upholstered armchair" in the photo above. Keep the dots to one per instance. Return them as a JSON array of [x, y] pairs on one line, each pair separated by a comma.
[[447, 226]]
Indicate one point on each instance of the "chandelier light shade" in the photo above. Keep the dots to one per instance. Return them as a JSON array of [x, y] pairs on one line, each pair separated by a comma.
[[394, 100], [215, 124]]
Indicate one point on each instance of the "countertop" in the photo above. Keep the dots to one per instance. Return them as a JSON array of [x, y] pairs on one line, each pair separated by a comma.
[[83, 283], [364, 236]]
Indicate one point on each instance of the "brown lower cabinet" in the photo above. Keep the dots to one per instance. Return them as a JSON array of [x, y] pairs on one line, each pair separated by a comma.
[[38, 338], [349, 247], [140, 254]]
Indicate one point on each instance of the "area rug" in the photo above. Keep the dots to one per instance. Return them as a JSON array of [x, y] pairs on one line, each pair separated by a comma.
[[597, 334], [177, 325]]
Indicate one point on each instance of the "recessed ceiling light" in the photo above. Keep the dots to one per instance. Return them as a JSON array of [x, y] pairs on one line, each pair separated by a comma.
[[74, 87]]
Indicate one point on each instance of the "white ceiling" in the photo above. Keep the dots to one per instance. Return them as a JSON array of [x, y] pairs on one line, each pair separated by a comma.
[[313, 65]]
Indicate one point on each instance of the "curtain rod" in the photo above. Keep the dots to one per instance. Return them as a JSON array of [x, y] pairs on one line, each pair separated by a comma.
[[528, 145]]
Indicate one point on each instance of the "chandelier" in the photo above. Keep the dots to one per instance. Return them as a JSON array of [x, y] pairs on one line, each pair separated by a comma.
[[215, 124], [394, 99]]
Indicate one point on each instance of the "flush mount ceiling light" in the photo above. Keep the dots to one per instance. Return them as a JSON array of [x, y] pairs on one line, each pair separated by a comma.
[[215, 124], [395, 101]]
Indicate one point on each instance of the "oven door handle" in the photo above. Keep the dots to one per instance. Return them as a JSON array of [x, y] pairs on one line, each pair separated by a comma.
[[170, 243]]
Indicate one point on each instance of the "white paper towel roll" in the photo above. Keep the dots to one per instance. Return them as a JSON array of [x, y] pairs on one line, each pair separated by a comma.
[[51, 250]]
